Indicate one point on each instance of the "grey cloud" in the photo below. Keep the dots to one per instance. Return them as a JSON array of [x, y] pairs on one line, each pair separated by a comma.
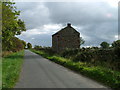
[[97, 33], [35, 14], [81, 13], [98, 20]]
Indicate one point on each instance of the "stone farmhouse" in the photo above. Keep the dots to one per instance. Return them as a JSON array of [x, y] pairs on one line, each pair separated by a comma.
[[67, 37]]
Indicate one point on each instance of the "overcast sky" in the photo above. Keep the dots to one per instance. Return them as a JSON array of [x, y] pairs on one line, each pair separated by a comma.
[[96, 21]]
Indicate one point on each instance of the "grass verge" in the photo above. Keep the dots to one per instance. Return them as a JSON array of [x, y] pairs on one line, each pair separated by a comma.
[[101, 74], [11, 66]]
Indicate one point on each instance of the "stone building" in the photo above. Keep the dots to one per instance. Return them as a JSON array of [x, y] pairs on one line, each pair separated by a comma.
[[67, 37]]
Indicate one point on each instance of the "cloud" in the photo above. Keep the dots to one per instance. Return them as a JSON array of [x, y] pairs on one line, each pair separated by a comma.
[[94, 34], [96, 21], [45, 29], [81, 13], [34, 14], [43, 39]]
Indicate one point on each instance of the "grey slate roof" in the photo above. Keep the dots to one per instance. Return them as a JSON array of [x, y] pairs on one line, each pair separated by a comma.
[[67, 27]]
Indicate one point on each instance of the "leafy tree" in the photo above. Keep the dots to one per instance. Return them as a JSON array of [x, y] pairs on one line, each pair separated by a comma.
[[24, 43], [105, 45], [116, 43], [17, 44], [11, 25], [82, 41], [29, 45]]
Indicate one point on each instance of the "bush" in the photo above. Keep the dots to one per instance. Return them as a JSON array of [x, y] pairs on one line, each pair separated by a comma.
[[83, 57], [48, 50], [69, 52], [14, 45], [95, 56], [37, 47], [17, 45], [117, 51]]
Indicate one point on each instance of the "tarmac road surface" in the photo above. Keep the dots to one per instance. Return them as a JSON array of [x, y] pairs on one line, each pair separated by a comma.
[[38, 72]]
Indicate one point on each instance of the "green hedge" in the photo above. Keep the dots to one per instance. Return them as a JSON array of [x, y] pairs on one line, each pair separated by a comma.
[[109, 58]]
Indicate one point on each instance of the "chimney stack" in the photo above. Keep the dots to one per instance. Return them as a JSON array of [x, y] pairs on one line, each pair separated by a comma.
[[69, 24]]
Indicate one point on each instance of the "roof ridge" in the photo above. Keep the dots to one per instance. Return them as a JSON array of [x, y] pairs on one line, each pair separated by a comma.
[[64, 29]]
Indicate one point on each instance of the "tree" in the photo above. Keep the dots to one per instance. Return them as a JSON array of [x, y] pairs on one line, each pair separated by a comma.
[[105, 45], [11, 25], [24, 43], [16, 45], [82, 41], [116, 43], [29, 45]]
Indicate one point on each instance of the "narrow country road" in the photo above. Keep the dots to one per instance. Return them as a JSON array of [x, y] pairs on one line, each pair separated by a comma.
[[38, 72]]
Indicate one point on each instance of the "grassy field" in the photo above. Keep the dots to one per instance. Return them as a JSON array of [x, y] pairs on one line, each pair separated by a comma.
[[11, 66], [101, 74]]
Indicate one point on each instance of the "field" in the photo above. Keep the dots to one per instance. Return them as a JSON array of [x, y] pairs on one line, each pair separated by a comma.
[[11, 66]]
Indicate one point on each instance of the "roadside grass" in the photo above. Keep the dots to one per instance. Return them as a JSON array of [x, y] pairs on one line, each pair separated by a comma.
[[11, 66], [101, 74]]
